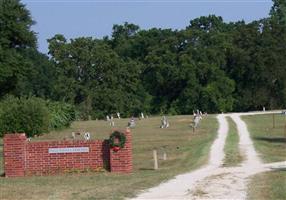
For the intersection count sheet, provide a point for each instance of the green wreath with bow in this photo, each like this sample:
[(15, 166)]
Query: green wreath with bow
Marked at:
[(121, 138)]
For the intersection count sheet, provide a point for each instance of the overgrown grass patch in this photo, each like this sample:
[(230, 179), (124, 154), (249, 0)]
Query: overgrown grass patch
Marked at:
[(185, 151), (231, 148)]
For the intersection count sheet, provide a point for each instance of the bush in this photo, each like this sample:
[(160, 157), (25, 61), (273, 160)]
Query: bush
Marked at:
[(33, 116), (61, 114), (28, 115)]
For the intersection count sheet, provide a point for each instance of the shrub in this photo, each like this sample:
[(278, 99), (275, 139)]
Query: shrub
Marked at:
[(61, 114), (29, 115)]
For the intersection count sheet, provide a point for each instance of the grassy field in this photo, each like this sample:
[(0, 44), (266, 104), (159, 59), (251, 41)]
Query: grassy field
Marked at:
[(231, 148), (268, 185), (185, 151), (271, 145), (268, 141)]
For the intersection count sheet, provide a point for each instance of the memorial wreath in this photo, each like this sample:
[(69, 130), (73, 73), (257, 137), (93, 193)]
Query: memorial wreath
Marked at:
[(117, 140)]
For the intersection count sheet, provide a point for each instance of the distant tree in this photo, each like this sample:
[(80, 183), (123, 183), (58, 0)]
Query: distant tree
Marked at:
[(15, 25), (122, 38), (278, 11), (38, 76), (90, 74), (124, 31), (210, 65)]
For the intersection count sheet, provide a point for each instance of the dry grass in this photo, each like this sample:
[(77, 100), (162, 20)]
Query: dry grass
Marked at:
[(185, 151)]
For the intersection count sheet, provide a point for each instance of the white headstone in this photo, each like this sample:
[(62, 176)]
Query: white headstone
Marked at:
[(86, 136), (164, 122), (131, 123), (111, 123), (196, 121)]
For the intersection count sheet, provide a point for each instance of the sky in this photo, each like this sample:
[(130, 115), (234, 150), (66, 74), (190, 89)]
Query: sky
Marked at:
[(95, 18)]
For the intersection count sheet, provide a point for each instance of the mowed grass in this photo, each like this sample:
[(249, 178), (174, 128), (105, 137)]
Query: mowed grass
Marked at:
[(231, 148), (268, 141), (271, 145), (185, 151), (268, 185)]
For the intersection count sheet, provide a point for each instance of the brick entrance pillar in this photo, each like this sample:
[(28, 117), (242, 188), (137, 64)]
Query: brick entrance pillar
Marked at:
[(121, 161), (14, 154)]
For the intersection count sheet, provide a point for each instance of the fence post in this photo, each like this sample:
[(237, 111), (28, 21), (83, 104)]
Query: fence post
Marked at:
[(155, 159), (164, 156)]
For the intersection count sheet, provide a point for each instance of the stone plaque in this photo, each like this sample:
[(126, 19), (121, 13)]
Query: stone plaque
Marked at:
[(69, 150)]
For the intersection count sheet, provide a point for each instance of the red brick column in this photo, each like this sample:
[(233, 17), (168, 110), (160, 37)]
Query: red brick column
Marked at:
[(14, 154), (121, 161)]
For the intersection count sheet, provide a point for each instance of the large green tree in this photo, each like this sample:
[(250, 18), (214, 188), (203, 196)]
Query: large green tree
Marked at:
[(278, 11), (210, 65), (90, 74), (23, 70)]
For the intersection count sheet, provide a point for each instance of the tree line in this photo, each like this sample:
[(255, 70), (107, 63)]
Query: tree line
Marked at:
[(210, 65)]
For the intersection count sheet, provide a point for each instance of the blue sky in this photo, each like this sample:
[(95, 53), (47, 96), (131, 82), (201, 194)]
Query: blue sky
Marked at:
[(76, 18)]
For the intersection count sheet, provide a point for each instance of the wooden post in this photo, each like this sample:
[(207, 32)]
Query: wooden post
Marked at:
[(285, 130), (285, 126), (164, 156), (155, 159)]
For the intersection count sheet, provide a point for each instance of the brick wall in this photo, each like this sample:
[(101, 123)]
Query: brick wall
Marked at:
[(14, 154), (22, 157), (121, 161)]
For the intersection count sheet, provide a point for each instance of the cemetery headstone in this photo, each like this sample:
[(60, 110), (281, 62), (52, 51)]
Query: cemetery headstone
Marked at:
[(111, 122), (131, 123), (86, 136), (164, 122), (196, 121)]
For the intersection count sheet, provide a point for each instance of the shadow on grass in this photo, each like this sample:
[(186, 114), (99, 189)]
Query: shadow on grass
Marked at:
[(279, 170), (272, 139), (146, 169)]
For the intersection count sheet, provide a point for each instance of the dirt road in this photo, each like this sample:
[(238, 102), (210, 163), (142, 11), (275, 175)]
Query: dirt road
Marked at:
[(213, 181)]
